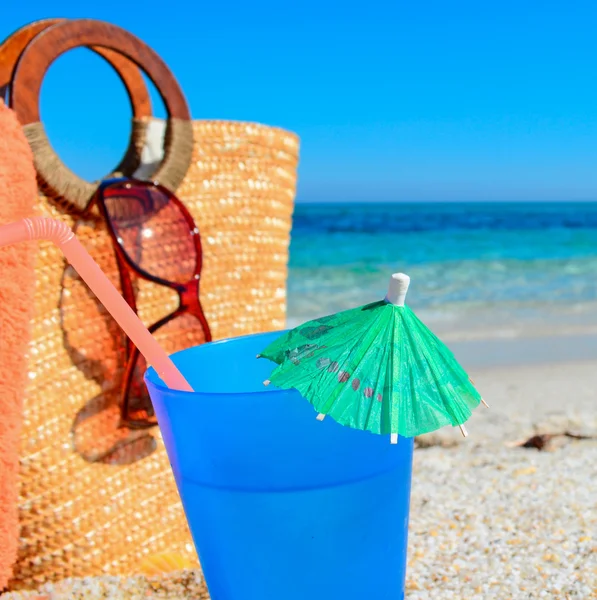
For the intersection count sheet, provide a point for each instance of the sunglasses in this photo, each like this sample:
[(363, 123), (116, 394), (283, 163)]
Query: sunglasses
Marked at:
[(155, 238)]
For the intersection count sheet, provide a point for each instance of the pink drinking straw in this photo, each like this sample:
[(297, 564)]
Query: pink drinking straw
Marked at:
[(43, 228)]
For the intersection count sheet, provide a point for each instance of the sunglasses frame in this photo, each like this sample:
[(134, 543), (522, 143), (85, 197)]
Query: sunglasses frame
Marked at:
[(188, 293)]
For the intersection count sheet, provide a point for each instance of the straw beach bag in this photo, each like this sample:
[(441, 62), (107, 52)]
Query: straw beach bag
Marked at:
[(95, 498)]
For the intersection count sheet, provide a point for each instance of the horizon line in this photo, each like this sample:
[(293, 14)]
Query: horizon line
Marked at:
[(439, 201)]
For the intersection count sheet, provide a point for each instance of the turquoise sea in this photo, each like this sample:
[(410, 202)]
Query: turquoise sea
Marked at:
[(476, 269)]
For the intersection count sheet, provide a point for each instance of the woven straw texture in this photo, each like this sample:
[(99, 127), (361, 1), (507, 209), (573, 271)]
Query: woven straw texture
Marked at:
[(240, 189), (94, 498)]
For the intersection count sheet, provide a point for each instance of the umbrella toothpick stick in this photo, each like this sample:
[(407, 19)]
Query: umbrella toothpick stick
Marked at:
[(397, 289), (484, 403), (463, 430), (320, 417)]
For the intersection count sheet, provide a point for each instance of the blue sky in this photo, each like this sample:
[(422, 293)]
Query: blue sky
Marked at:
[(419, 100)]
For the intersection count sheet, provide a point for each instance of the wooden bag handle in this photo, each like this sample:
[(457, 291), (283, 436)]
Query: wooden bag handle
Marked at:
[(31, 68), (129, 74)]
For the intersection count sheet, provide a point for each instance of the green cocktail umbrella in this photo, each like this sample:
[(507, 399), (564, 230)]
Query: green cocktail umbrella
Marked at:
[(377, 368)]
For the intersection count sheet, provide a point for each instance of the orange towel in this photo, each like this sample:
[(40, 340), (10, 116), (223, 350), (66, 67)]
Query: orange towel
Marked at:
[(18, 190)]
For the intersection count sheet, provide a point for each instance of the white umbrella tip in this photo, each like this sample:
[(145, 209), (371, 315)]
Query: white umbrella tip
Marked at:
[(402, 278), (397, 289)]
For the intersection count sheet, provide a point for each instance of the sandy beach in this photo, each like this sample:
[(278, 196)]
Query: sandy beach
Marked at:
[(490, 518)]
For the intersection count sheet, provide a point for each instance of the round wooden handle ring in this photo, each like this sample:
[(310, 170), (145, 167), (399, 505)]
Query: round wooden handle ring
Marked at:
[(31, 68), (12, 48)]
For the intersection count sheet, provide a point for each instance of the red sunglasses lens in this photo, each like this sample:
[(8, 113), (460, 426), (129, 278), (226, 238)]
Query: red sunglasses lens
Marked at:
[(153, 230)]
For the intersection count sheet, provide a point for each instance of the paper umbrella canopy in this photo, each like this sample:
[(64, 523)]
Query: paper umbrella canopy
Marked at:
[(376, 368)]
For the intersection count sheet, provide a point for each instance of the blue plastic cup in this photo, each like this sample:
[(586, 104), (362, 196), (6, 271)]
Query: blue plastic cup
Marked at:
[(281, 506)]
